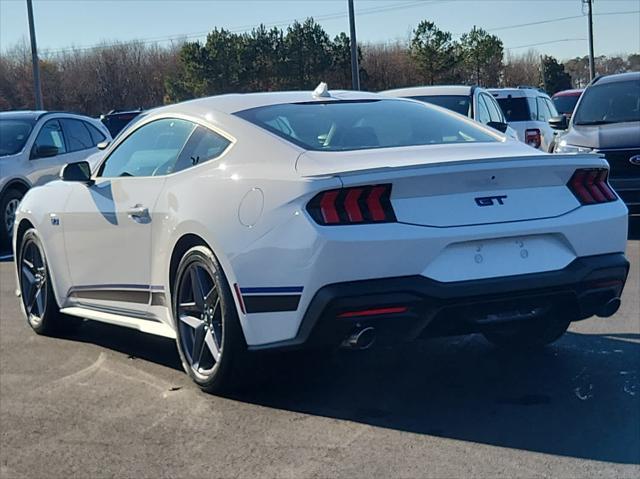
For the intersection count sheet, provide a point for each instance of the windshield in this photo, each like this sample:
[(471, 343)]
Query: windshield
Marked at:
[(609, 103), (13, 135), (518, 109), (457, 103), (565, 104), (360, 125)]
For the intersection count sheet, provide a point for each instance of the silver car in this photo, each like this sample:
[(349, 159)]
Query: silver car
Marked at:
[(34, 145)]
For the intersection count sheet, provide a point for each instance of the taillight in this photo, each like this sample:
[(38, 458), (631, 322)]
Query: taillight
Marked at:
[(358, 205), (590, 186), (532, 137)]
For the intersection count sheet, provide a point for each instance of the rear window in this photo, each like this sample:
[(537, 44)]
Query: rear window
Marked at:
[(518, 109), (359, 125), (458, 103), (565, 104)]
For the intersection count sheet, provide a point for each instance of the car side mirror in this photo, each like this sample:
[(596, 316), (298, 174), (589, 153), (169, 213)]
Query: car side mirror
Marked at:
[(498, 125), (78, 172), (103, 145), (45, 151), (559, 122)]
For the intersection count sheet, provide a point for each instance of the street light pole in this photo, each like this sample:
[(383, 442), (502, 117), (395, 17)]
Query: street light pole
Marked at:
[(37, 88), (355, 69), (592, 63)]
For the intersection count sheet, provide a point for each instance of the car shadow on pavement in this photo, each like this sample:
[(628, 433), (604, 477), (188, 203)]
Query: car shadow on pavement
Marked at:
[(579, 398)]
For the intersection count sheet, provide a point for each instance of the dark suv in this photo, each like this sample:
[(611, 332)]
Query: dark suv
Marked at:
[(607, 121), (116, 120)]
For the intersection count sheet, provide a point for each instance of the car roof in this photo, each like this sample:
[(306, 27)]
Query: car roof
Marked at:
[(629, 76), (520, 92), (457, 90), (574, 92), (235, 102), (31, 115)]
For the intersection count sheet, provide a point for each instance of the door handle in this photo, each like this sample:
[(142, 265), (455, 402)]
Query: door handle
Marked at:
[(138, 212)]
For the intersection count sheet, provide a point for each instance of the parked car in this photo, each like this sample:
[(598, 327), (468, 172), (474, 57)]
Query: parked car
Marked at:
[(528, 111), (269, 221), (607, 121), (34, 145), (565, 101), (116, 120), (471, 101)]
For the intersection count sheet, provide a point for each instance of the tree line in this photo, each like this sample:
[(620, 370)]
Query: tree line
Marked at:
[(136, 74)]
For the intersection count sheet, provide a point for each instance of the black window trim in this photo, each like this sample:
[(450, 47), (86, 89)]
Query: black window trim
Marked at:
[(35, 139), (147, 121)]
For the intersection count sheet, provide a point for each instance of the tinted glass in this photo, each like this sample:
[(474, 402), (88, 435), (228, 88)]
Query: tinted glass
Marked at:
[(203, 145), (543, 110), (96, 135), (551, 107), (609, 103), (482, 115), (459, 104), (13, 135), (516, 109), (51, 135), (151, 150), (359, 125), (494, 110), (565, 104), (77, 136)]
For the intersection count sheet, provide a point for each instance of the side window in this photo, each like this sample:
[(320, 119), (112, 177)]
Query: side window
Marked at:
[(204, 145), (483, 112), (96, 135), (533, 108), (495, 113), (151, 150), (543, 110), (51, 135), (77, 136), (552, 107)]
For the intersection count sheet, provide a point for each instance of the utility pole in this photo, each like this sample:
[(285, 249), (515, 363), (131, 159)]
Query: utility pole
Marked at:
[(355, 69), (37, 88), (592, 62)]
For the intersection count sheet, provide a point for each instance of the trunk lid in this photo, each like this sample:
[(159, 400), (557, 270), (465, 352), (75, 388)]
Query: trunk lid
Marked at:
[(453, 186)]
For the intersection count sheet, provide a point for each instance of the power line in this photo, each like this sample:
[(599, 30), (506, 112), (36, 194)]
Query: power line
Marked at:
[(552, 20), (244, 28), (547, 43)]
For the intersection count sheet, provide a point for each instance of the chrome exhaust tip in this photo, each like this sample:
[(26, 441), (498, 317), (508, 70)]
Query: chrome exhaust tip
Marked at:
[(360, 339), (609, 308)]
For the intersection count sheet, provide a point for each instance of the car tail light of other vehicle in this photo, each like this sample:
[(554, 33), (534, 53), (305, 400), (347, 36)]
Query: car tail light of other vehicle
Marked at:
[(532, 137), (590, 186), (358, 205)]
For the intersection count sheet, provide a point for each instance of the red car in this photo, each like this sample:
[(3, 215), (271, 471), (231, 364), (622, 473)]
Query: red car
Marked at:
[(565, 101)]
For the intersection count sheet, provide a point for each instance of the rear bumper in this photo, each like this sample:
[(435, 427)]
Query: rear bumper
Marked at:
[(628, 189), (428, 307)]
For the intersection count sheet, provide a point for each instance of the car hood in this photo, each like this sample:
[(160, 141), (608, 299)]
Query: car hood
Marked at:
[(615, 135)]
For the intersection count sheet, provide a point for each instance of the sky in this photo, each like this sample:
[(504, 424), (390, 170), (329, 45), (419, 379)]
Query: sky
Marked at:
[(61, 24)]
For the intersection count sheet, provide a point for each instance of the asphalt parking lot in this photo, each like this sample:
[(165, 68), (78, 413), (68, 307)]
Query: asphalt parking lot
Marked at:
[(111, 402)]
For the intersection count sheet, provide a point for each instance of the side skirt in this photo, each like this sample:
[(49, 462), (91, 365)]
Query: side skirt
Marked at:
[(144, 325)]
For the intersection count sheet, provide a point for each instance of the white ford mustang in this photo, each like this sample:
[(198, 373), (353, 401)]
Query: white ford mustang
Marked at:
[(264, 221)]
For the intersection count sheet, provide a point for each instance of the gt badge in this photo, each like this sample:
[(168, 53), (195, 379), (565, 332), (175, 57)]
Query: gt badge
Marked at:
[(490, 200), (55, 221)]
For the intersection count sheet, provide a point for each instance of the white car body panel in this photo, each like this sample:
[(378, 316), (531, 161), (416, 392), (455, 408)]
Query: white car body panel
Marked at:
[(249, 206)]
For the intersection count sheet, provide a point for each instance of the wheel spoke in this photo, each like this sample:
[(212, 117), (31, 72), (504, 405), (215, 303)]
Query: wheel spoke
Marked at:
[(198, 347), (31, 301), (212, 345), (191, 321), (197, 288), (40, 302), (28, 274)]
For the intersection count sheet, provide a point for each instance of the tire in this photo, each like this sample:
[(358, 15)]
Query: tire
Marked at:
[(8, 207), (209, 336), (37, 299), (530, 334)]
